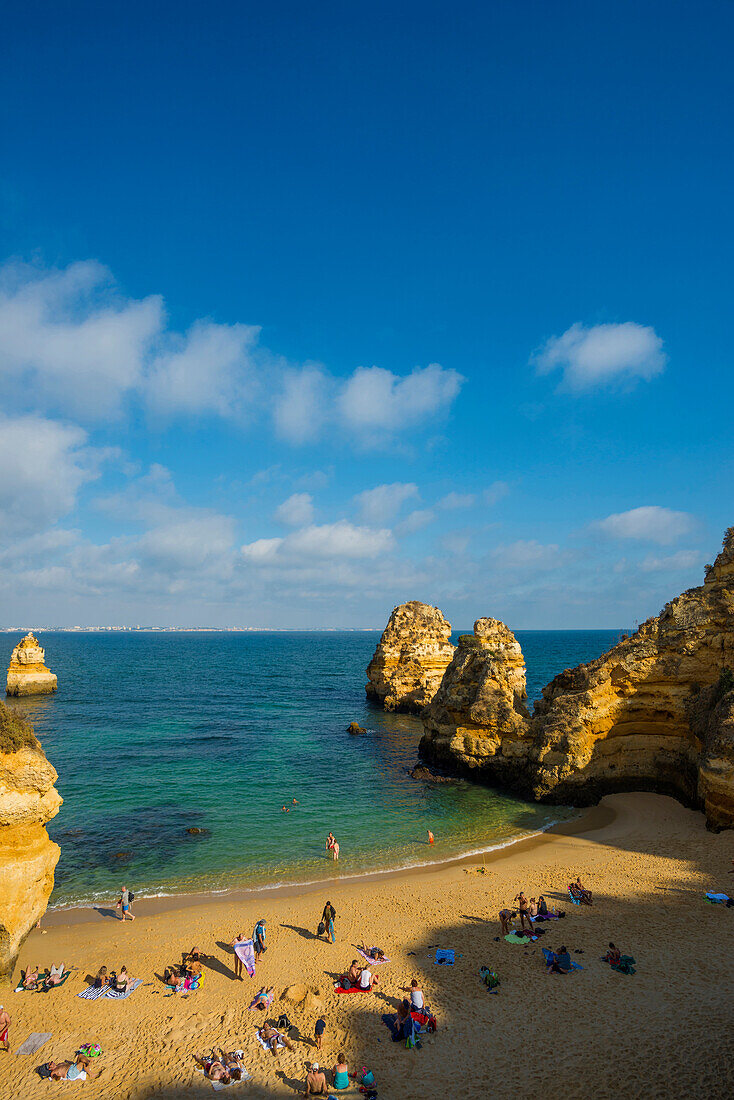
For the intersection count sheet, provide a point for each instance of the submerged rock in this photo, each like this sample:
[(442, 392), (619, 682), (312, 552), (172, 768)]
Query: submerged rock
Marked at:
[(410, 658), (27, 673), (431, 775), (656, 712), (354, 727), (28, 800)]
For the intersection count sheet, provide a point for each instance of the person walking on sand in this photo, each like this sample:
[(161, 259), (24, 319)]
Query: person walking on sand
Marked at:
[(330, 926), (5, 1023), (326, 917), (319, 1032), (124, 904)]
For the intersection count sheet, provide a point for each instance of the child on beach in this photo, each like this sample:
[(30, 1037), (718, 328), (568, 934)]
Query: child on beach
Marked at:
[(319, 1032)]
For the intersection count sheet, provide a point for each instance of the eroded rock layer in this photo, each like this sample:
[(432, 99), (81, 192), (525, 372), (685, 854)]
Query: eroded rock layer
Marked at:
[(27, 672), (654, 713), (28, 800), (410, 658)]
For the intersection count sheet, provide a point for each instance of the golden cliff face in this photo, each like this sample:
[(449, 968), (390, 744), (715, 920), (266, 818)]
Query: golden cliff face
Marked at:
[(28, 800), (27, 673), (410, 658), (654, 713)]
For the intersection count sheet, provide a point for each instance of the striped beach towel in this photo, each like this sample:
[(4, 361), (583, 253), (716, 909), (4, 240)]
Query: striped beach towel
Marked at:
[(120, 995), (92, 994)]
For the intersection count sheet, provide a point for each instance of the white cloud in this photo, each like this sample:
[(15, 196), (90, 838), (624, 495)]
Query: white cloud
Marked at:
[(68, 341), (382, 504), (296, 511), (415, 521), (302, 404), (326, 541), (526, 553), (601, 354), (44, 464), (453, 501), (496, 491), (186, 542), (649, 523), (374, 398), (209, 370), (682, 559)]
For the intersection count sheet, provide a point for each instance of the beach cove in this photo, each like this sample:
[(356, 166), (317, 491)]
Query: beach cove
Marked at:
[(666, 1028)]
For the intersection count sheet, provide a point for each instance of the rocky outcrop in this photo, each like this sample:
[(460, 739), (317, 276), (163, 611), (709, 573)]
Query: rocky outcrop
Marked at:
[(411, 657), (27, 672), (654, 713), (28, 800)]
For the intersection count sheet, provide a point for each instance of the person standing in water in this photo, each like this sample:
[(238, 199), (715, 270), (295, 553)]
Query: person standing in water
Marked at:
[(430, 837), (330, 842), (335, 850)]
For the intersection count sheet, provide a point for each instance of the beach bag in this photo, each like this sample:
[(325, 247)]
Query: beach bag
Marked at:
[(368, 1077), (90, 1050), (131, 897), (321, 928), (284, 1023), (43, 1071)]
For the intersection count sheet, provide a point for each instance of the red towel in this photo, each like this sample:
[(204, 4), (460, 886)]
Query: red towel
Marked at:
[(352, 989)]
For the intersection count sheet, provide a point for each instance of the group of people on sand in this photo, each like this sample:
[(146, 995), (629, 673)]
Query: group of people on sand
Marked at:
[(580, 893), (358, 977), (528, 911), (316, 1083), (118, 981), (33, 979), (189, 970)]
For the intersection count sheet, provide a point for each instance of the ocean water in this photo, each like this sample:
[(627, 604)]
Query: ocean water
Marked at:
[(154, 734)]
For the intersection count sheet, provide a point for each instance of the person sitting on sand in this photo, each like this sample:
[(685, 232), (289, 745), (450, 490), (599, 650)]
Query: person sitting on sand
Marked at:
[(194, 955), (366, 981), (264, 998), (560, 962), (101, 979), (352, 975), (583, 893), (120, 981), (533, 908), (341, 1073), (613, 956), (30, 978), (214, 1067), (172, 978), (70, 1071), (270, 1037), (542, 907), (506, 916), (417, 1000), (315, 1081)]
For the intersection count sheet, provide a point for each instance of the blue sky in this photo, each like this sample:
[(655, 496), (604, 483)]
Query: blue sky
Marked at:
[(309, 310)]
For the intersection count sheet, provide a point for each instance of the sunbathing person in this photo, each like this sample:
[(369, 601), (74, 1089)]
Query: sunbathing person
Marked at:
[(54, 977), (264, 998), (270, 1036), (375, 953), (70, 1071), (214, 1068), (170, 977), (30, 978), (194, 955), (233, 1064), (101, 978), (506, 916), (583, 893)]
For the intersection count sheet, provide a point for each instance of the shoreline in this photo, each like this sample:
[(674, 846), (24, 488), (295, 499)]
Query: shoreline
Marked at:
[(588, 820)]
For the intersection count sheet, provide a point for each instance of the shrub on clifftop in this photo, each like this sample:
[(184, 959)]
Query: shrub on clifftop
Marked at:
[(15, 732)]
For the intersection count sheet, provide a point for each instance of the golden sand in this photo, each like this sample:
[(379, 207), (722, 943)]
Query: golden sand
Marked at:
[(666, 1031)]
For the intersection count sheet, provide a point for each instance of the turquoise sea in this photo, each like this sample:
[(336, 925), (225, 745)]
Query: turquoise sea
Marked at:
[(156, 733)]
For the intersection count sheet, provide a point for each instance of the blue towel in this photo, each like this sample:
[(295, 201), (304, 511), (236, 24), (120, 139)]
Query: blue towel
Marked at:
[(576, 901), (550, 956), (445, 956)]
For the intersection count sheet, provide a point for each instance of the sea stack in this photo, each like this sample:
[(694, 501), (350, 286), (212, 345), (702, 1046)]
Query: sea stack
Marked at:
[(655, 713), (27, 672), (28, 800), (411, 657)]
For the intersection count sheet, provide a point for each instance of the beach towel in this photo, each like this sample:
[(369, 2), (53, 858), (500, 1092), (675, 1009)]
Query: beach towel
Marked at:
[(265, 1046), (369, 959), (515, 937), (218, 1085), (546, 916), (444, 956), (39, 987), (339, 988), (575, 900), (34, 1042), (268, 1002), (717, 899), (245, 952), (120, 996), (92, 994)]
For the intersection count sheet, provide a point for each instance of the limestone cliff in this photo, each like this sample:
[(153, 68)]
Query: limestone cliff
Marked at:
[(654, 713), (27, 673), (28, 800), (410, 658)]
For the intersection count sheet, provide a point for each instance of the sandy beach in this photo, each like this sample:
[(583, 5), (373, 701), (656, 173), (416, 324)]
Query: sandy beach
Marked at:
[(666, 1030)]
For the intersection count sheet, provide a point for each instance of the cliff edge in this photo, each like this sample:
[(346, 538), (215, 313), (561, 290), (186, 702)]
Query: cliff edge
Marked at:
[(410, 657), (28, 800), (656, 712), (27, 672)]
